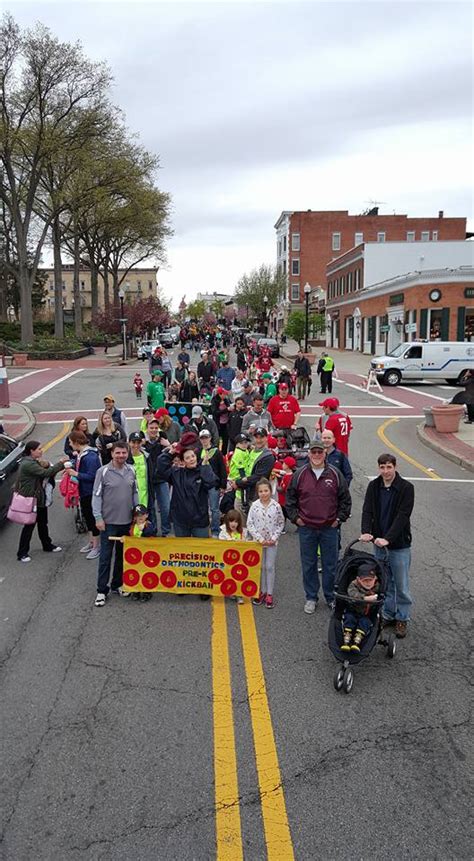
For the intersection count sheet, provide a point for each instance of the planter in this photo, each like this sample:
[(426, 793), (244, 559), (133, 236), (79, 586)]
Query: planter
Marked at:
[(429, 420), (447, 417), (20, 359)]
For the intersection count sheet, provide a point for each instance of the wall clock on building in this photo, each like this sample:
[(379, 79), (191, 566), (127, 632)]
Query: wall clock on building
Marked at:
[(435, 295)]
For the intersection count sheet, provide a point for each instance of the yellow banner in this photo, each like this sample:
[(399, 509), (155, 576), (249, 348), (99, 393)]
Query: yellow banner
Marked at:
[(192, 566)]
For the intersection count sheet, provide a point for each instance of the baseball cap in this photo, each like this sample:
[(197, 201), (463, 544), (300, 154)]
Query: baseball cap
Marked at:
[(160, 413), (332, 403), (290, 461), (282, 385), (366, 570), (316, 445), (135, 437), (246, 383), (109, 398), (221, 391), (156, 372), (266, 376), (140, 510), (242, 437), (261, 432), (205, 432), (196, 411)]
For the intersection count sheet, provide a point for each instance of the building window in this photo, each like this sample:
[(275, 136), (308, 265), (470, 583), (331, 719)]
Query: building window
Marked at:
[(336, 242), (349, 282), (64, 286), (295, 267), (295, 242), (284, 245), (343, 285), (410, 235), (425, 235), (279, 248), (358, 238), (83, 285), (434, 236), (51, 287), (150, 285), (381, 236), (295, 292), (284, 267), (357, 280)]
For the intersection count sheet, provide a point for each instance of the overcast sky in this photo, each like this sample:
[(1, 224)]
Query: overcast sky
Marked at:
[(259, 107)]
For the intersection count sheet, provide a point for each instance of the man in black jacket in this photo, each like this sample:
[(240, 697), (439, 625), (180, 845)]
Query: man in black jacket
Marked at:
[(303, 375), (388, 505)]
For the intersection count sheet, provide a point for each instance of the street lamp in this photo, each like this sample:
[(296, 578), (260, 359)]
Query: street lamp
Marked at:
[(307, 291), (265, 304), (123, 321)]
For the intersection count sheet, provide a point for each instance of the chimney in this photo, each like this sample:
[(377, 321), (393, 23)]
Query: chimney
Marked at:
[(441, 213)]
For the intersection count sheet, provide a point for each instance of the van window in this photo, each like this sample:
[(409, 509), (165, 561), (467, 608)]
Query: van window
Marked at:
[(413, 353)]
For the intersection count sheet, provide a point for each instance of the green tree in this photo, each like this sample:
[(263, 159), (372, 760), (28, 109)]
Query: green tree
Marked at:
[(295, 326), (252, 288), (196, 310)]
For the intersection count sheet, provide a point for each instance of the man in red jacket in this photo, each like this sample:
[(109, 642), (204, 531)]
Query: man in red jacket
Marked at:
[(284, 409), (337, 422)]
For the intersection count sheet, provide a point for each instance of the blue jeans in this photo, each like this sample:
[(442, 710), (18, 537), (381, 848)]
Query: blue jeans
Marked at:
[(182, 531), (105, 558), (353, 621), (214, 500), (327, 539), (161, 493), (397, 599)]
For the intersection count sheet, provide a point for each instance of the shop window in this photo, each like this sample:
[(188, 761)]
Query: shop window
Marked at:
[(469, 326), (435, 325)]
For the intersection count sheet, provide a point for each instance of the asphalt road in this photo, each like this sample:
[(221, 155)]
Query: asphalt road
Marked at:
[(113, 723)]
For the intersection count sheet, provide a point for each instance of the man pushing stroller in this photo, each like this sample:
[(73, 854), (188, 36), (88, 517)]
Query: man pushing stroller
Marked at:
[(356, 623)]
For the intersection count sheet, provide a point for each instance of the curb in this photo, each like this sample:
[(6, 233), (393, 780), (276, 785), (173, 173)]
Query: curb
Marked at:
[(450, 455), (31, 421)]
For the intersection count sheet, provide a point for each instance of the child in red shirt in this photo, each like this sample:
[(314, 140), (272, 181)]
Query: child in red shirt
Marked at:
[(138, 384)]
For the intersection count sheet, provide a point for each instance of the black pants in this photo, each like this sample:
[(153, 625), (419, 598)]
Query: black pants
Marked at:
[(224, 436), (27, 532), (86, 509), (326, 381)]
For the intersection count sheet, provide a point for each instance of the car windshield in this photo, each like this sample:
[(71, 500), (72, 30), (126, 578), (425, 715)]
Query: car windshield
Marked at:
[(397, 351)]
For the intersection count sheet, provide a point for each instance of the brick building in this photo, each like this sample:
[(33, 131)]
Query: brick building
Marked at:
[(307, 241), (136, 283), (379, 295)]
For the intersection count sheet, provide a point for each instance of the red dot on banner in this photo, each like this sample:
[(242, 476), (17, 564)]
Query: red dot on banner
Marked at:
[(168, 579), (150, 580), (231, 556), (229, 587), (130, 577), (239, 572), (133, 556), (251, 558), (249, 588), (151, 559), (216, 576)]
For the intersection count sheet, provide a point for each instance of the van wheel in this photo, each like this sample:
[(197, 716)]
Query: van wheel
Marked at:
[(391, 378), (461, 375), (453, 382)]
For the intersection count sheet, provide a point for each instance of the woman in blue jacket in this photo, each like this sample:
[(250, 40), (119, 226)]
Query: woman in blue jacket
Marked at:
[(87, 464), (191, 482)]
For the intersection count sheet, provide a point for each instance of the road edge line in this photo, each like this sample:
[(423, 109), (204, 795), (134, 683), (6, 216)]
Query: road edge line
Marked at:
[(404, 455)]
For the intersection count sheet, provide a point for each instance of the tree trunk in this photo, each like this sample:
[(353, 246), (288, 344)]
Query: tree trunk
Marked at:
[(115, 286), (26, 306), (106, 287), (77, 287), (58, 281), (94, 287)]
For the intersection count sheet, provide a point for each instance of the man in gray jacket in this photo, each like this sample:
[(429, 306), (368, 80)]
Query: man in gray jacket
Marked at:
[(257, 416), (114, 496)]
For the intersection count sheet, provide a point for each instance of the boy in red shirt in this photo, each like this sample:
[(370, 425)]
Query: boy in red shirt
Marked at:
[(138, 384), (284, 409), (337, 422)]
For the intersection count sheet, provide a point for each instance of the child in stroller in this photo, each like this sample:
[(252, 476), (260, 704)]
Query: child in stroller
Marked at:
[(356, 623)]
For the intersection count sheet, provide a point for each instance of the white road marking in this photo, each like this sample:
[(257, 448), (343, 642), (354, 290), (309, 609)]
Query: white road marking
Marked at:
[(416, 478), (376, 395), (51, 386), (29, 374), (425, 394), (303, 415)]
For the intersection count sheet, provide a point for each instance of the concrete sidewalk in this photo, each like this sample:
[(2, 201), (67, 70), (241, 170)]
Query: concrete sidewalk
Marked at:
[(18, 421), (458, 447)]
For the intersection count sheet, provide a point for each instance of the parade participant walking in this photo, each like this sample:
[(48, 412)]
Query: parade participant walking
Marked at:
[(167, 369), (190, 389), (236, 417), (303, 374), (240, 359), (80, 423), (257, 416), (117, 415), (249, 393), (155, 445), (114, 497), (318, 501), (138, 384), (205, 371), (220, 405), (265, 524), (334, 456), (180, 374), (168, 427), (107, 433), (34, 473), (284, 409), (184, 358), (156, 360), (199, 421), (386, 513), (261, 461), (237, 386), (225, 376), (155, 390), (325, 370), (191, 482), (139, 460), (213, 457), (270, 388), (337, 422), (87, 464)]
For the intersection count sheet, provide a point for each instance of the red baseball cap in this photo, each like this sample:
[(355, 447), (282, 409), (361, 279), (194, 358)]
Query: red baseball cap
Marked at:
[(332, 403), (290, 461), (161, 412)]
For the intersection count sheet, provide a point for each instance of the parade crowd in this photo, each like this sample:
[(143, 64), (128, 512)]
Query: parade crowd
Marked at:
[(238, 465)]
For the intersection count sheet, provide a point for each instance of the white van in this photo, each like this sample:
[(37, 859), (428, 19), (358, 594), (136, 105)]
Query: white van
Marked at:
[(440, 361)]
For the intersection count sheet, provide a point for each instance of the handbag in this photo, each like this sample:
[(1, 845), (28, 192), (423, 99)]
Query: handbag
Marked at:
[(23, 509)]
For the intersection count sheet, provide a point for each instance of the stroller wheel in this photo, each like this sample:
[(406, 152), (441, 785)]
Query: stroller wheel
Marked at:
[(348, 680), (338, 678), (391, 646)]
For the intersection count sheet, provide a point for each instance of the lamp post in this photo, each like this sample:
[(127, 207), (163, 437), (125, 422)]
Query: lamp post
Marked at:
[(265, 305), (123, 322), (307, 291)]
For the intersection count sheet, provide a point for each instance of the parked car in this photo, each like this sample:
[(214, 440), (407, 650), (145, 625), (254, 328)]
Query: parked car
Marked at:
[(254, 336), (440, 361), (167, 340), (272, 344), (145, 349), (11, 452)]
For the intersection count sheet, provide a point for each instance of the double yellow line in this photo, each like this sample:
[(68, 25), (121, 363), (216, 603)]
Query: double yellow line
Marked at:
[(228, 822)]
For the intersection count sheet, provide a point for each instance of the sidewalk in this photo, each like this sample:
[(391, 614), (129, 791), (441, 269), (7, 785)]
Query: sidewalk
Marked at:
[(345, 360), (18, 420), (458, 447)]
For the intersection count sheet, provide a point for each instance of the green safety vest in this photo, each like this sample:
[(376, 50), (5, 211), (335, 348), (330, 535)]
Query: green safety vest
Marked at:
[(328, 364)]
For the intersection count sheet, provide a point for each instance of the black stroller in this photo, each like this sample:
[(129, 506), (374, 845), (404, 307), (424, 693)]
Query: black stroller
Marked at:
[(347, 570), (293, 442)]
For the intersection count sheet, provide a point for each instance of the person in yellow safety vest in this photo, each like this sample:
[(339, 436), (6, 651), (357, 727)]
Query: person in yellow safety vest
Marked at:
[(325, 369)]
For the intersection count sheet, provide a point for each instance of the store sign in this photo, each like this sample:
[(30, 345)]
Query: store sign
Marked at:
[(397, 299), (469, 292), (410, 327), (384, 329)]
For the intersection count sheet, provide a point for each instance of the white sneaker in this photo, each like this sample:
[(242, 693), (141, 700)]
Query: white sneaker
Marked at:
[(25, 559), (57, 549), (310, 607), (94, 553), (86, 548), (100, 600)]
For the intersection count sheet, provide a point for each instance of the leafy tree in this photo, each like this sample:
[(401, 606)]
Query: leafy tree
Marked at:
[(196, 310), (252, 288), (295, 326)]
